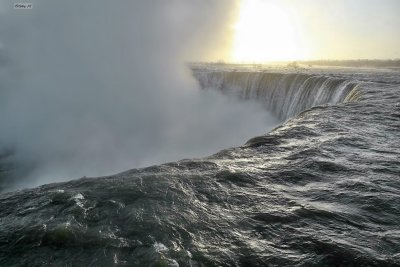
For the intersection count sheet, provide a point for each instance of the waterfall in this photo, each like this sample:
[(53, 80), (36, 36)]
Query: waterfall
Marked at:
[(285, 95)]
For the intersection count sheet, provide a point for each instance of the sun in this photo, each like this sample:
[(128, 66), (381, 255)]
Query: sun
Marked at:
[(264, 32)]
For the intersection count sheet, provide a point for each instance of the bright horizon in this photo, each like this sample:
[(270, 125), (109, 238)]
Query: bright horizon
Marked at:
[(287, 30)]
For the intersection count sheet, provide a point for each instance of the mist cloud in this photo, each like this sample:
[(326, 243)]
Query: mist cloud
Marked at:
[(96, 87)]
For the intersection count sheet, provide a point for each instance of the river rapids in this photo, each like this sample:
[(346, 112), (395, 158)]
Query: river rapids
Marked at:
[(321, 189)]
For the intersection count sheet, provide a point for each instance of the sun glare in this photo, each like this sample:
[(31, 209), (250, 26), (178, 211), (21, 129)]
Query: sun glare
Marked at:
[(264, 32)]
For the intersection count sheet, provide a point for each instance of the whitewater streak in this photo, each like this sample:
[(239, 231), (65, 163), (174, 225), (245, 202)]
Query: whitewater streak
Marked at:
[(283, 94)]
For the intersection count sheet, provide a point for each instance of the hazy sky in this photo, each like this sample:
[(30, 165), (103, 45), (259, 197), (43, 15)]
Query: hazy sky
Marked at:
[(317, 29), (265, 30), (350, 28)]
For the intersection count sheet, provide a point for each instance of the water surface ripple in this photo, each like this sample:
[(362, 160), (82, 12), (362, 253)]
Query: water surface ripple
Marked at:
[(323, 189)]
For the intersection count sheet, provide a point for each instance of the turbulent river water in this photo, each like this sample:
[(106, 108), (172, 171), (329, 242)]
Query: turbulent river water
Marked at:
[(322, 189)]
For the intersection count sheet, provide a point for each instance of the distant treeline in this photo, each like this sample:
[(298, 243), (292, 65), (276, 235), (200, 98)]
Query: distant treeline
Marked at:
[(373, 63), (354, 63)]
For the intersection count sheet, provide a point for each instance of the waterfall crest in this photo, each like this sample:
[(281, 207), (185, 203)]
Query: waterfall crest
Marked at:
[(285, 95)]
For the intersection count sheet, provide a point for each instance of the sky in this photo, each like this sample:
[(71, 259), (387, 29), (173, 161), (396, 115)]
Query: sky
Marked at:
[(273, 30), (281, 30), (350, 29)]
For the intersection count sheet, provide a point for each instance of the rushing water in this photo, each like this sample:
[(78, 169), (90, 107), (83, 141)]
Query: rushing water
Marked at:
[(322, 189)]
